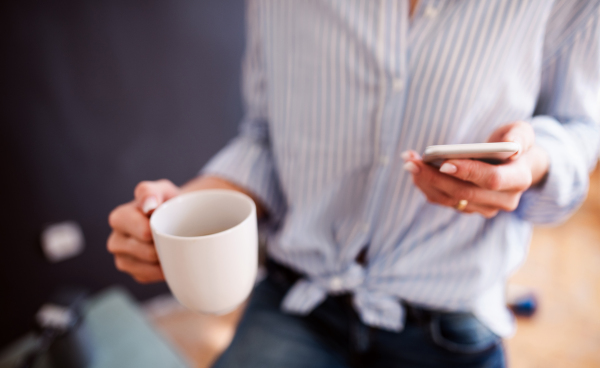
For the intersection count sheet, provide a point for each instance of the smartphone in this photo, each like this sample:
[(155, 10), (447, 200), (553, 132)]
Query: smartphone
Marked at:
[(493, 153)]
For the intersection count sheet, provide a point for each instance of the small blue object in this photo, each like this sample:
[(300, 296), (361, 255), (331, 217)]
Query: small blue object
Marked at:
[(524, 306)]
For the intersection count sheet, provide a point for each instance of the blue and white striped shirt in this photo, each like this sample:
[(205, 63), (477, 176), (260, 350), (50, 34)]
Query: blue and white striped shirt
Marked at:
[(335, 90)]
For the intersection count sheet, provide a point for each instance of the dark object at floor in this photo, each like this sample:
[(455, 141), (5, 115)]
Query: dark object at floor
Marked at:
[(120, 334), (524, 306)]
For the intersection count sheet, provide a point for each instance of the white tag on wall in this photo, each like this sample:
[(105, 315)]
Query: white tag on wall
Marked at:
[(62, 241)]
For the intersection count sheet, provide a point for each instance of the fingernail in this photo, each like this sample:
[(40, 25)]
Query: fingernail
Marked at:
[(411, 167), (150, 204), (448, 168), (408, 155)]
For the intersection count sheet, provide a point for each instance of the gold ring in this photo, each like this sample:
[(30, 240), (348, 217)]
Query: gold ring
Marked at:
[(461, 205)]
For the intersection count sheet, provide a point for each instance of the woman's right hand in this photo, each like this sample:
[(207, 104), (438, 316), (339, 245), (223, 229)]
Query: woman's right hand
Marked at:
[(131, 239)]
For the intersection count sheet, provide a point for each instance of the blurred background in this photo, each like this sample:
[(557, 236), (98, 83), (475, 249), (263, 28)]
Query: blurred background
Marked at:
[(97, 96)]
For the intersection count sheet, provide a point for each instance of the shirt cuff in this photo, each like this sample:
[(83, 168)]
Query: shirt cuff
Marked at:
[(566, 184), (249, 164)]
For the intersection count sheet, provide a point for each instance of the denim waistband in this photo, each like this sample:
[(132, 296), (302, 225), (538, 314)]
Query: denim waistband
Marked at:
[(286, 277)]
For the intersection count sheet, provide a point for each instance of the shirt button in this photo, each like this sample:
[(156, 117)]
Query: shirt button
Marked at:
[(384, 160), (398, 84), (335, 284), (431, 12)]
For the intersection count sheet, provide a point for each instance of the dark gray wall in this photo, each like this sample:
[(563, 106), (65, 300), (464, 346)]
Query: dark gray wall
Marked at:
[(95, 97)]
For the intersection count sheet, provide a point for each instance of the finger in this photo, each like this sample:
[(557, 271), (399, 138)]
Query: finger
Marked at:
[(485, 199), (436, 196), (456, 189), (129, 220), (433, 195), (485, 211), (125, 245), (150, 194), (142, 272), (410, 155), (511, 177), (519, 132)]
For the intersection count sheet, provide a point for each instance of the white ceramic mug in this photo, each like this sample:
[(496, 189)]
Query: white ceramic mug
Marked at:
[(207, 243)]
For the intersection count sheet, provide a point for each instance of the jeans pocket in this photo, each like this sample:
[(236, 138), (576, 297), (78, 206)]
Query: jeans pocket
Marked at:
[(462, 333)]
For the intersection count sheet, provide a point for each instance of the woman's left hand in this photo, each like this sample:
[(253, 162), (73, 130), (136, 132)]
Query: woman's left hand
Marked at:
[(477, 187)]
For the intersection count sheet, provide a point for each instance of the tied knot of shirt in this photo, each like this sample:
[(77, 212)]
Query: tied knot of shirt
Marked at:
[(375, 308)]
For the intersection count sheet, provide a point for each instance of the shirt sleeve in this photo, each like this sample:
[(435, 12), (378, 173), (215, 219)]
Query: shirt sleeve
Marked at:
[(567, 117), (247, 160)]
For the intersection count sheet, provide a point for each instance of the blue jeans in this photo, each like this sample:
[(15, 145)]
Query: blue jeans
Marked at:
[(333, 336)]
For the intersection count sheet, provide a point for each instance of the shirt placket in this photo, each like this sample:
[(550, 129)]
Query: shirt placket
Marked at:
[(391, 56)]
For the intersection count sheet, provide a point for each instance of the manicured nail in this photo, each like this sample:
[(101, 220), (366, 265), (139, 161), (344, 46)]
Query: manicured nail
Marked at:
[(407, 155), (150, 204), (448, 168), (411, 167)]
